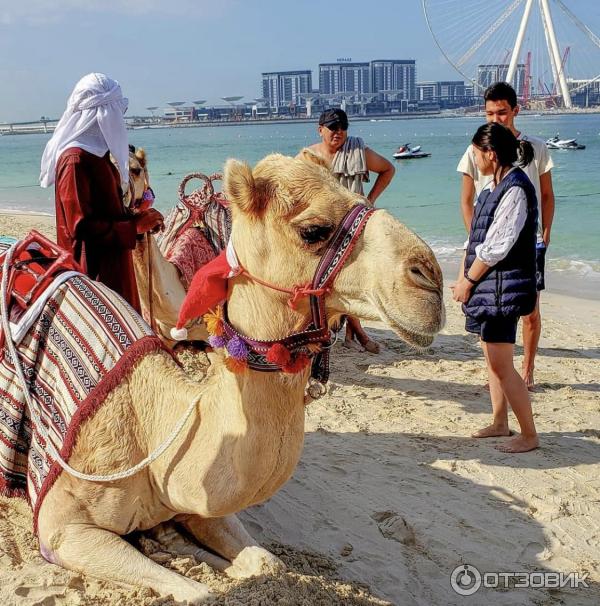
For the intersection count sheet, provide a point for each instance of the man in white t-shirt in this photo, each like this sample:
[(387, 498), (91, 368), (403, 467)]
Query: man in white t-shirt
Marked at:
[(501, 106)]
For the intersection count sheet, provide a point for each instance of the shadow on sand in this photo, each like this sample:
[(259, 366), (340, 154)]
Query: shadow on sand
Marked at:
[(407, 508)]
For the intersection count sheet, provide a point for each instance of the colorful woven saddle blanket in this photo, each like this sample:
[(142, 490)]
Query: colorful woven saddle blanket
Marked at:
[(197, 229), (81, 346)]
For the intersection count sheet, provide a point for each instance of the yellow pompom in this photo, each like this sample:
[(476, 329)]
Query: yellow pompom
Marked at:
[(214, 322)]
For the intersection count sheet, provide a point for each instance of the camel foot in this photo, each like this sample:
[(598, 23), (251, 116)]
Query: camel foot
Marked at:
[(174, 542), (254, 561), (192, 593), (519, 444), (492, 431)]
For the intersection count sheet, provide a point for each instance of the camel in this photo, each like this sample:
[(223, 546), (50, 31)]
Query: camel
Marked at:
[(245, 436), (139, 180), (160, 285)]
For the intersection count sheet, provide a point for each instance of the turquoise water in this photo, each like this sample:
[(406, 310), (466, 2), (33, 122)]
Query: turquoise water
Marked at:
[(424, 193)]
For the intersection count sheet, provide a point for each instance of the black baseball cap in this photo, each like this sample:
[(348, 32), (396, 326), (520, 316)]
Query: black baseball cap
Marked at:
[(331, 117)]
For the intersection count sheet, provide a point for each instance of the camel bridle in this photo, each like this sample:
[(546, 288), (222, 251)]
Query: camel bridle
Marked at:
[(315, 339)]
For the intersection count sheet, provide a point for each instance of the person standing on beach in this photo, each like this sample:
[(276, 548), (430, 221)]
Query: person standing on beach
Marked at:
[(92, 222), (351, 161), (498, 282), (501, 107)]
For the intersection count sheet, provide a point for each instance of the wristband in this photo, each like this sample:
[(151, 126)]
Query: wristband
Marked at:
[(473, 282)]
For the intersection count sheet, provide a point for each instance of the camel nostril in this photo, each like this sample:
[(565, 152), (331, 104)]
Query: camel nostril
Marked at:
[(423, 276)]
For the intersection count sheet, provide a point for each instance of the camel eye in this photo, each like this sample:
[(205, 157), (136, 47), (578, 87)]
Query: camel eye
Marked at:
[(135, 171), (316, 233)]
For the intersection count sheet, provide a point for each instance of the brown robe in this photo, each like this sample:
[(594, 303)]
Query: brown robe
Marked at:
[(92, 222)]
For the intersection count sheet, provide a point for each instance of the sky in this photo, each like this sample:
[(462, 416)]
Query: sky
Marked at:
[(184, 50)]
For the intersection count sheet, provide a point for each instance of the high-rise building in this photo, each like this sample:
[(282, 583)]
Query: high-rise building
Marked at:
[(283, 89), (344, 77), (427, 91), (497, 72), (445, 93), (394, 79)]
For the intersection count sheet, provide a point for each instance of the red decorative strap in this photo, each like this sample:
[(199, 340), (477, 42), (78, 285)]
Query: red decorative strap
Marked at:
[(297, 292)]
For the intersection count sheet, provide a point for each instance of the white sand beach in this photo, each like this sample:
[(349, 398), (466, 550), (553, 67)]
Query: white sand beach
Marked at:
[(391, 493)]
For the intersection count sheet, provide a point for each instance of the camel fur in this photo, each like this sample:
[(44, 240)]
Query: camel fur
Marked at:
[(245, 438)]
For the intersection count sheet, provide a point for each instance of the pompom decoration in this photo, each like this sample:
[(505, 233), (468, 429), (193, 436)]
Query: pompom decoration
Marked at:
[(237, 348), (299, 363), (236, 366), (179, 334), (217, 342), (214, 321), (278, 354)]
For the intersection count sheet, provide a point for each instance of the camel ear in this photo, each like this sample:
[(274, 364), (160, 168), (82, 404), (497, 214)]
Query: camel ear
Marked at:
[(242, 189), (307, 155), (140, 154)]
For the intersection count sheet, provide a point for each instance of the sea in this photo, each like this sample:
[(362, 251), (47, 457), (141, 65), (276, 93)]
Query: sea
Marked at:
[(424, 193)]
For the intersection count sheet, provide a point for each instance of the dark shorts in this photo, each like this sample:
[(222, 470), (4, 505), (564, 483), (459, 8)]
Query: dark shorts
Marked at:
[(540, 266), (494, 330)]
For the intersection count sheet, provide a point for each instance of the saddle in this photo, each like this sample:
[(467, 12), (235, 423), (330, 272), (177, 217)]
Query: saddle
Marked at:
[(35, 262), (197, 229)]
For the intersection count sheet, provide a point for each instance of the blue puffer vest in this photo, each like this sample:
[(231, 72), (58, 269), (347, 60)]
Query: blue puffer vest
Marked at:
[(508, 289)]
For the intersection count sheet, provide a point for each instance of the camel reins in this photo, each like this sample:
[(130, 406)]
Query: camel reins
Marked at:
[(314, 340)]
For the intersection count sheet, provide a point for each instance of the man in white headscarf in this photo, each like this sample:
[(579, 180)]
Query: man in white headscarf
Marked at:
[(91, 220)]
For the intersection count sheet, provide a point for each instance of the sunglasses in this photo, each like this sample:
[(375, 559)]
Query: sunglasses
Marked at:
[(334, 128)]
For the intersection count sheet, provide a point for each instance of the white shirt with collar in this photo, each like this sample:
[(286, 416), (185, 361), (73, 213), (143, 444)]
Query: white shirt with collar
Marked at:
[(509, 219)]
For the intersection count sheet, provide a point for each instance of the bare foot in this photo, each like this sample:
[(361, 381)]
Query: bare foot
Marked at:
[(528, 378), (351, 344), (371, 346), (519, 444), (492, 431)]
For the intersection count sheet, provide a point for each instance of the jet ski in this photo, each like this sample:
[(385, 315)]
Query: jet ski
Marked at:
[(406, 152), (557, 143)]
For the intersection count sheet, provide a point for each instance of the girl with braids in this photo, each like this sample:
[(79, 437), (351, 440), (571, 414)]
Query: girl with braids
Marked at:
[(498, 283)]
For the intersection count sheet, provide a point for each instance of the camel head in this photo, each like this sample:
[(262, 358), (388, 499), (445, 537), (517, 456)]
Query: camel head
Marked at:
[(138, 175), (285, 211)]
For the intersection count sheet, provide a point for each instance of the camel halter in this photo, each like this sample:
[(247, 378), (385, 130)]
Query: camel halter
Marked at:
[(314, 341)]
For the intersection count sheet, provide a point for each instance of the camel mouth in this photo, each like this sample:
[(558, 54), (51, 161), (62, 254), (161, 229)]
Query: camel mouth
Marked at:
[(415, 339), (408, 333)]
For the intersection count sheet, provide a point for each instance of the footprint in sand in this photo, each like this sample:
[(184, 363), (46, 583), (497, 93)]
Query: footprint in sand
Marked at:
[(394, 527)]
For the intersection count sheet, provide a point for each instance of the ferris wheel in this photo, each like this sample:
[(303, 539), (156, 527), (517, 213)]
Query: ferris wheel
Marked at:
[(540, 46)]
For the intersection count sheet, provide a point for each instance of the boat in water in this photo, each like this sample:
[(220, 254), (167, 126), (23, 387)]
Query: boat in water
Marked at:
[(557, 143), (406, 152)]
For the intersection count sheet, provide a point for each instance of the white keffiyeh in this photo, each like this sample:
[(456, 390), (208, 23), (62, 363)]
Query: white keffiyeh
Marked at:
[(92, 121)]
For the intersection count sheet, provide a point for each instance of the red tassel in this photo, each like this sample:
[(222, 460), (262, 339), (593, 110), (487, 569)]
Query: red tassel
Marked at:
[(278, 354), (300, 363)]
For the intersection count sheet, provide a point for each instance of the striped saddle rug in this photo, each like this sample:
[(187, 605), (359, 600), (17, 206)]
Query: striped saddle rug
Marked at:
[(79, 348)]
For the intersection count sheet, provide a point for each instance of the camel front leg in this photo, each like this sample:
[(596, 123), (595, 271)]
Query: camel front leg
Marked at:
[(228, 537), (105, 555)]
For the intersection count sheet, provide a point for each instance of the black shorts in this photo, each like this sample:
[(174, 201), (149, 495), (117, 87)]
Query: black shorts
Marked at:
[(540, 266), (494, 330)]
